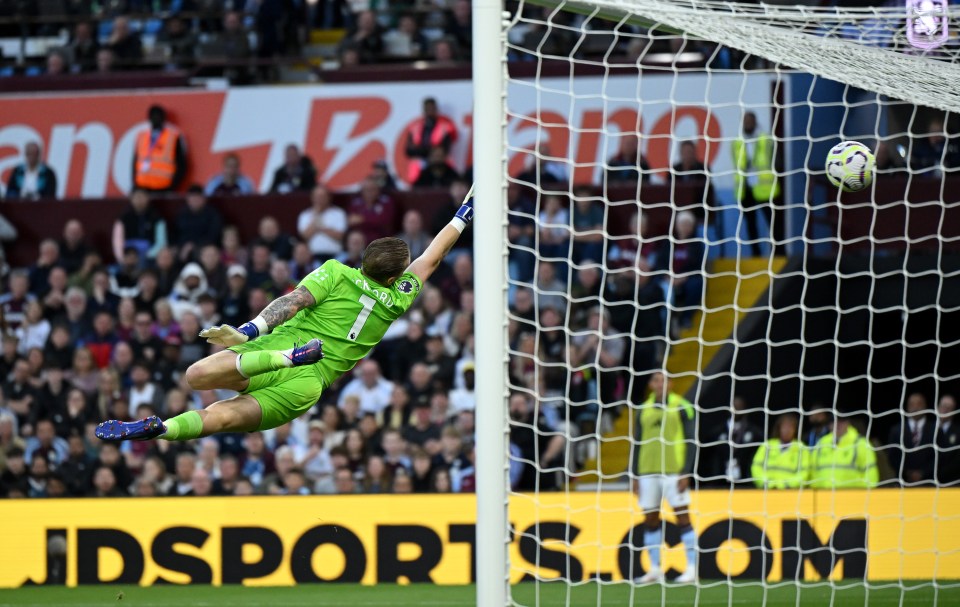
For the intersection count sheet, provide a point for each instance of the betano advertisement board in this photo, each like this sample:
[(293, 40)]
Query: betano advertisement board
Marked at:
[(89, 139), (279, 540)]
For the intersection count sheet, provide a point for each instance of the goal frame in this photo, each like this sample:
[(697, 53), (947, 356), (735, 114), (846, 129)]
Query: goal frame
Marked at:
[(490, 276)]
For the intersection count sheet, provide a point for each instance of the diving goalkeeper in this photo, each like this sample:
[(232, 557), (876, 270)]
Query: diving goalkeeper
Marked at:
[(281, 361)]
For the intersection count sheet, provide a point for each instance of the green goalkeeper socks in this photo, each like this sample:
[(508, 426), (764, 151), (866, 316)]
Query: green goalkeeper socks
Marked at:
[(185, 426), (255, 363)]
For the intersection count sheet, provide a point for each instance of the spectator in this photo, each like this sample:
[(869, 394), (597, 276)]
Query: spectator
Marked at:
[(348, 54), (936, 151), (232, 44), (843, 459), (230, 182), (59, 349), (8, 233), (372, 212), (46, 444), (228, 477), (302, 263), (531, 440), (213, 269), (421, 430), (83, 47), (344, 482), (277, 241), (459, 26), (544, 167), (689, 170), (296, 175), (141, 227), (258, 272), (33, 178), (406, 41), (105, 484), (465, 399), (198, 224), (683, 264), (422, 470), (755, 182), (437, 173), (84, 373), (554, 228), (13, 478), (142, 390), (521, 231), (73, 246), (186, 294), (14, 303), (588, 225), (57, 63), (77, 468), (599, 343), (380, 173), (369, 386), (947, 442), (106, 61), (111, 458), (323, 225), (178, 43), (186, 465), (417, 240), (429, 131), (126, 45), (49, 257), (280, 283), (445, 50), (457, 193), (629, 165), (551, 292), (34, 330), (366, 38), (889, 157), (913, 455), (737, 443), (231, 249), (160, 159)]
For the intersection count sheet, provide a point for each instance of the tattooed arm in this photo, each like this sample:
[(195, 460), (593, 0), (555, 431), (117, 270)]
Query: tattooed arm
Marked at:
[(279, 311), (282, 309)]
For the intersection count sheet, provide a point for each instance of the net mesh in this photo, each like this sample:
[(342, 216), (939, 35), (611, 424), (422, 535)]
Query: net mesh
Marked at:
[(691, 301)]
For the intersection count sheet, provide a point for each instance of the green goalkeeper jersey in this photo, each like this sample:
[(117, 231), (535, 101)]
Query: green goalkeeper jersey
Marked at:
[(351, 315)]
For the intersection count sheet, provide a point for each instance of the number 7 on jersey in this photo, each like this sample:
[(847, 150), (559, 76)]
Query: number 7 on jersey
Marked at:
[(367, 302)]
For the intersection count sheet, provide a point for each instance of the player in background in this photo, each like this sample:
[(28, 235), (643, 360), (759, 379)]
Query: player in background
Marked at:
[(662, 469), (282, 360)]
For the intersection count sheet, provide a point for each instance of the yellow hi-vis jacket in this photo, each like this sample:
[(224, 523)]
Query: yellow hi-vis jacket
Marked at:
[(849, 463), (776, 467), (766, 187)]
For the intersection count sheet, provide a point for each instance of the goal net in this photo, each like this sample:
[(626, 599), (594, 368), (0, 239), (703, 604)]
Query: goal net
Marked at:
[(727, 381)]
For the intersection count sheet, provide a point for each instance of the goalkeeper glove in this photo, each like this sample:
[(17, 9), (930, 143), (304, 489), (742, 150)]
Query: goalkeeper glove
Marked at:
[(226, 335)]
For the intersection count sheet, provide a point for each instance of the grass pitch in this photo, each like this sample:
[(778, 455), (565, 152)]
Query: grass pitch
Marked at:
[(526, 595)]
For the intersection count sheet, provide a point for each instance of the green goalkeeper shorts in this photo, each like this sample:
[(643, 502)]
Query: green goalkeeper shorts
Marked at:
[(286, 394)]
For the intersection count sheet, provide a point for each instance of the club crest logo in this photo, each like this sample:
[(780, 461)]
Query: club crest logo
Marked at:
[(405, 286)]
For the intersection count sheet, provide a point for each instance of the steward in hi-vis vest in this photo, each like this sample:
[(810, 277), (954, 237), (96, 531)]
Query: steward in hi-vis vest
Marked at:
[(783, 462), (159, 162)]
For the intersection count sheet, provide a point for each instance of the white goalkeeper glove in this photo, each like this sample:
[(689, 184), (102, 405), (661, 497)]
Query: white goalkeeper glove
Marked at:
[(226, 335)]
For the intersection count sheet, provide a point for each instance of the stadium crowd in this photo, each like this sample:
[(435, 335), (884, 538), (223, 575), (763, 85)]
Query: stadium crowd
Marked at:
[(243, 40)]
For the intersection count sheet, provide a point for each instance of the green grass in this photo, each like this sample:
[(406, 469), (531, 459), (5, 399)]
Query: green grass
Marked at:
[(540, 595)]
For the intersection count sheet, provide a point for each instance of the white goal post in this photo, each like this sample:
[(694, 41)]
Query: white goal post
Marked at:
[(630, 221)]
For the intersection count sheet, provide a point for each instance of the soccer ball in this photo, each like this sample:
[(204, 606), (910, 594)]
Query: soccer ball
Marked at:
[(850, 166)]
